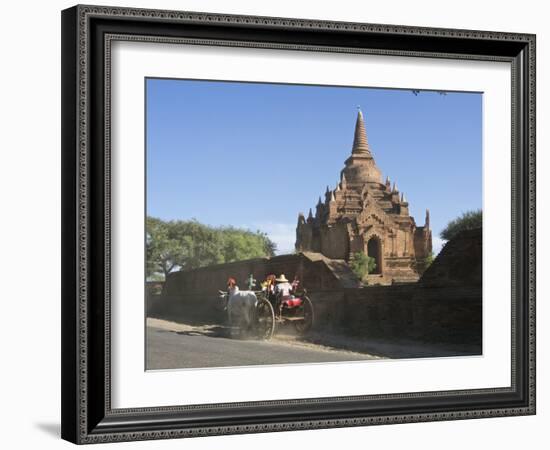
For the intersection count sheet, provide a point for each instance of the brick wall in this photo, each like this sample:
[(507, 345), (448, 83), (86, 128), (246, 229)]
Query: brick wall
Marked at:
[(441, 314), (194, 293), (429, 314)]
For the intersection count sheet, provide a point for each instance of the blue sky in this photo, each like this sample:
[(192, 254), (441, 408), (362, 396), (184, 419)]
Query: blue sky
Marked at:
[(254, 155)]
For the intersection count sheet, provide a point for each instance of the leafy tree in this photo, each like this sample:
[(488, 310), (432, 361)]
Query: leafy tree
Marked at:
[(362, 264), (164, 253), (467, 221), (179, 244)]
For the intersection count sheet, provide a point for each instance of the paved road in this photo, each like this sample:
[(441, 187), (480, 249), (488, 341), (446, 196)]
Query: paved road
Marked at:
[(173, 346)]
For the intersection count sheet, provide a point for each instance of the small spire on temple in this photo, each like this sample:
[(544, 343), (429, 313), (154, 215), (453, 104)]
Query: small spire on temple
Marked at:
[(310, 215), (319, 208), (343, 182), (394, 189), (403, 198), (337, 187), (327, 191), (427, 220), (332, 196)]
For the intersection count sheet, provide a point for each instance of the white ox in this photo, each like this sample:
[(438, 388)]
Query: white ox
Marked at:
[(241, 308)]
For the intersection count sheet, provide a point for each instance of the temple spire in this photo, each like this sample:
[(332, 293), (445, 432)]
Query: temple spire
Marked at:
[(343, 182), (360, 144), (427, 220)]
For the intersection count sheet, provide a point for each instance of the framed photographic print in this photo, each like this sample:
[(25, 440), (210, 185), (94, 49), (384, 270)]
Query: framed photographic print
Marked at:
[(279, 224)]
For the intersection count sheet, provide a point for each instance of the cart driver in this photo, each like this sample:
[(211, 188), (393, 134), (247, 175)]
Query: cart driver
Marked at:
[(283, 288)]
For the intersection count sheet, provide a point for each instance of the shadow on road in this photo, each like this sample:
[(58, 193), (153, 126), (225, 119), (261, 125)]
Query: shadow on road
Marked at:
[(380, 347), (187, 319), (393, 349), (214, 331), (202, 329)]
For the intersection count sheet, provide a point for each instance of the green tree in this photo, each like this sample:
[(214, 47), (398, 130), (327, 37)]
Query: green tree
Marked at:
[(362, 264), (189, 244), (164, 253), (467, 221)]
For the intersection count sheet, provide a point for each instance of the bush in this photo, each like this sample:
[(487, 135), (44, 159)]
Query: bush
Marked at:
[(467, 221), (362, 264)]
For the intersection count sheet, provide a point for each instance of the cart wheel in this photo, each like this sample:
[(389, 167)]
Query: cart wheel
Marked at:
[(303, 326), (266, 319)]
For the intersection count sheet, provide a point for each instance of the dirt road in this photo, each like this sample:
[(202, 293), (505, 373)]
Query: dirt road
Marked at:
[(174, 345)]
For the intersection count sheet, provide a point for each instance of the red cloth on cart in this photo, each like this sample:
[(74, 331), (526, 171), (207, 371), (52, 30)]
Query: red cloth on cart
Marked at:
[(292, 302)]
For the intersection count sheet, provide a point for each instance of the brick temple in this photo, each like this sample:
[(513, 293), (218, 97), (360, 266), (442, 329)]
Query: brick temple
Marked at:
[(365, 214)]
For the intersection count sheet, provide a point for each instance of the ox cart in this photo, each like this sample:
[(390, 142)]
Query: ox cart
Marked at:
[(271, 312), (274, 312)]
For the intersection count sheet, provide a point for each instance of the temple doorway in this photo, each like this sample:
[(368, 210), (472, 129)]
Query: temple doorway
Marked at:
[(374, 251)]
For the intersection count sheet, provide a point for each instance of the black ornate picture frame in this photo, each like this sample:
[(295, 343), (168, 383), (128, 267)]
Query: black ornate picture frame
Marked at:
[(87, 34)]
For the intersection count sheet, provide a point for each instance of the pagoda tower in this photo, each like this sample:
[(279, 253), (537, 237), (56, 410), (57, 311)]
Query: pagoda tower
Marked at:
[(364, 214)]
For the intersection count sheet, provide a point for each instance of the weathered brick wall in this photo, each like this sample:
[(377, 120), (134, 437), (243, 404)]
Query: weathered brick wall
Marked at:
[(458, 263), (335, 241), (194, 293), (442, 314), (208, 280)]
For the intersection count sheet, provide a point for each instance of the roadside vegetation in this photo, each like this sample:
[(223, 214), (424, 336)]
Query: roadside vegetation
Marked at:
[(467, 221), (188, 244)]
